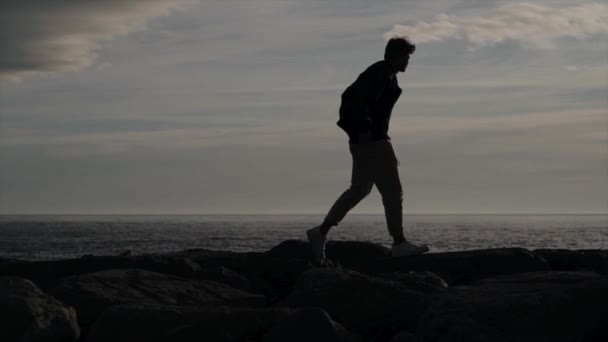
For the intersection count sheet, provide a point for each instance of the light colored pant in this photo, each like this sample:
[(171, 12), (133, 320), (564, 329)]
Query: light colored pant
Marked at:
[(374, 162)]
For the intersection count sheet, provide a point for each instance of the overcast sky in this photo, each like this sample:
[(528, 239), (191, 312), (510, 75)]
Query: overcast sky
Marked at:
[(125, 106)]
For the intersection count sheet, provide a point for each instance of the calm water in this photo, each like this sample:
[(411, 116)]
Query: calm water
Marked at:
[(34, 237)]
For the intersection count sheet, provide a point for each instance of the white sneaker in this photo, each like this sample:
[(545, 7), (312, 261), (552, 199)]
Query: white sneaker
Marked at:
[(317, 242), (407, 248)]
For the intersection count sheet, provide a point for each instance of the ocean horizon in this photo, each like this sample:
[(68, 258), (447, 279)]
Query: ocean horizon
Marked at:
[(57, 236)]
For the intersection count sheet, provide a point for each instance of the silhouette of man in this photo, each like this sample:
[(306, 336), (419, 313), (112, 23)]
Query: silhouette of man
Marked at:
[(365, 113)]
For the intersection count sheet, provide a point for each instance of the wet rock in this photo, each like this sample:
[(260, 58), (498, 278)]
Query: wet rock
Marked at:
[(27, 314), (92, 293), (366, 305), (171, 323)]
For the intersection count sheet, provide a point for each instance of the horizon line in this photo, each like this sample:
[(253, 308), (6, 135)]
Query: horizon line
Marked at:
[(279, 214)]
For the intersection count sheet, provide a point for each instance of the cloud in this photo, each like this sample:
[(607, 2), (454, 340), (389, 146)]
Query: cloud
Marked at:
[(41, 36), (271, 134), (434, 128), (533, 25)]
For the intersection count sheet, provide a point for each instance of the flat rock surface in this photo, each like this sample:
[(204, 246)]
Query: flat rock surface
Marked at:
[(533, 306), (215, 324), (92, 293)]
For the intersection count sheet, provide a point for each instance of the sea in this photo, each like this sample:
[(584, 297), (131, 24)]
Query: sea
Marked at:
[(47, 237)]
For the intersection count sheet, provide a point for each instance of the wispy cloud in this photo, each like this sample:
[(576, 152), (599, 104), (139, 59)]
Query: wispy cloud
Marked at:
[(40, 36), (533, 25), (433, 128), (273, 134)]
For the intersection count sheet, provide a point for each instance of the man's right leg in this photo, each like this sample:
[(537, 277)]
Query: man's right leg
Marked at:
[(362, 181), (389, 185)]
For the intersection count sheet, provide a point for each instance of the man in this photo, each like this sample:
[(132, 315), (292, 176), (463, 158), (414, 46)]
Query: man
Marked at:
[(365, 113)]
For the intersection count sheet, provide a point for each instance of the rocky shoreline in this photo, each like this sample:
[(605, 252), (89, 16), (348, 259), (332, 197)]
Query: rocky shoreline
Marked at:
[(362, 294)]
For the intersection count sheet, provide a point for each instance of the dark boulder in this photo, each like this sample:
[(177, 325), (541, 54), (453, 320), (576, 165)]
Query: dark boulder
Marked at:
[(226, 276), (405, 336), (46, 273), (166, 263), (465, 266), (291, 249), (568, 260), (206, 258), (271, 275), (344, 253), (9, 260), (425, 282), (92, 293), (309, 324), (254, 271), (534, 306), (28, 315), (364, 304), (129, 323)]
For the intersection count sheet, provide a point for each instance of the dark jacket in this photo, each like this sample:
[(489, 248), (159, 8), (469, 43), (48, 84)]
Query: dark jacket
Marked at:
[(368, 102)]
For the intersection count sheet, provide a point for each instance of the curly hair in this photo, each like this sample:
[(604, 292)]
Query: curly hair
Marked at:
[(397, 46)]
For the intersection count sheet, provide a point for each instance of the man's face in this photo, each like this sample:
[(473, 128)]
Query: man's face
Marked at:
[(402, 61)]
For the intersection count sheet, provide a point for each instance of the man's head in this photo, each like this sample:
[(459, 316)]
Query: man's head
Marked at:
[(398, 51)]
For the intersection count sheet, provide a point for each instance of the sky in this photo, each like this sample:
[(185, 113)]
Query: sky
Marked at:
[(204, 107)]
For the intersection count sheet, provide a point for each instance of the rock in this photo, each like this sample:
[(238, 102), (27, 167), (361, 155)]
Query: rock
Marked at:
[(568, 260), (292, 249), (366, 305), (46, 273), (92, 293), (504, 294), (270, 275), (9, 260), (309, 324), (462, 267), (129, 323), (206, 258), (534, 306), (166, 264), (345, 253), (27, 314), (425, 282), (405, 336), (226, 276)]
